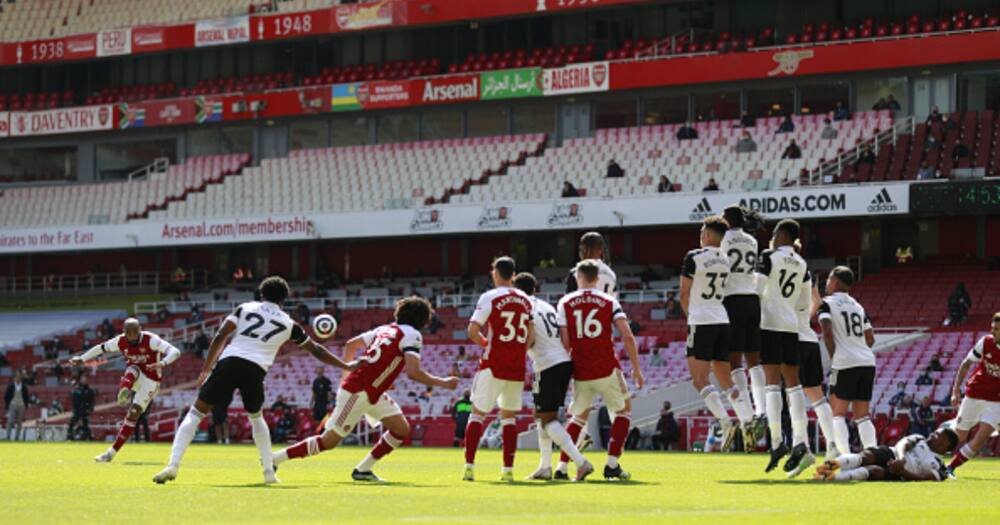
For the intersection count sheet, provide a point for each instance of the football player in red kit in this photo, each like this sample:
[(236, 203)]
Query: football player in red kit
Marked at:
[(982, 396)]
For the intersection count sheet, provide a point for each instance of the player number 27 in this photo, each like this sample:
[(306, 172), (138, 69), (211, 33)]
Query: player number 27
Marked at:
[(257, 321), (587, 326), (520, 333)]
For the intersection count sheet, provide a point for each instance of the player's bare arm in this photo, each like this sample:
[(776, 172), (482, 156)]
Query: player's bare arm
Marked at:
[(168, 354), (475, 333), (418, 374), (827, 325), (353, 347), (321, 353), (870, 337), (956, 388), (564, 337), (686, 293), (898, 467), (633, 351), (215, 349)]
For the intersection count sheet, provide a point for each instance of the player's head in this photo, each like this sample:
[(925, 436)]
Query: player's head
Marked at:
[(943, 441), (274, 289), (786, 232), (713, 229), (414, 311), (525, 282), (503, 270), (592, 246), (586, 273), (841, 279), (132, 330), (996, 325), (734, 216)]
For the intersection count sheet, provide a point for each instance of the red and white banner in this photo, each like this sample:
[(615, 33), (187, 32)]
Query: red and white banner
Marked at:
[(387, 94), (577, 78), (148, 39), (221, 31), (362, 16), (290, 25), (169, 112), (4, 124), (463, 88), (115, 42), (62, 120)]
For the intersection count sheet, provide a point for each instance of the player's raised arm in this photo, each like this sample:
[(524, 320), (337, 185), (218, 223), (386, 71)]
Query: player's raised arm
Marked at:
[(321, 353), (90, 354)]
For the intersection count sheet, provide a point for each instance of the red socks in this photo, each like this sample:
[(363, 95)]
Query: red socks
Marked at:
[(387, 444), (307, 447), (125, 432), (961, 456), (128, 378), (573, 429), (509, 427), (619, 433), (473, 431)]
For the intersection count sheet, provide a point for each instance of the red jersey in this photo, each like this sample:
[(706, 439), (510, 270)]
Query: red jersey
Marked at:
[(984, 382), (589, 316), (505, 315), (142, 354), (387, 345)]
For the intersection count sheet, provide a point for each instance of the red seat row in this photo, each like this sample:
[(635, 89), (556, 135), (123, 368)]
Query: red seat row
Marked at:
[(33, 101), (870, 28), (399, 69), (539, 57)]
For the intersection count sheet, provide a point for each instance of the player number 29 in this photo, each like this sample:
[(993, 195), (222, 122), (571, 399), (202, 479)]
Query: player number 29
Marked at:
[(587, 327), (520, 333)]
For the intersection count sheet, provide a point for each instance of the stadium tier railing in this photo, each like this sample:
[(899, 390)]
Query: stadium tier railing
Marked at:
[(828, 172), (97, 283)]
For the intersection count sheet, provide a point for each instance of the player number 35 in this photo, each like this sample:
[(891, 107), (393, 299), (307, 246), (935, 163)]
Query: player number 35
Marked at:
[(520, 333)]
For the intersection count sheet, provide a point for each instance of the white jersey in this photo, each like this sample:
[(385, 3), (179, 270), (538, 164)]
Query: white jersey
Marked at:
[(548, 349), (607, 280), (741, 248), (804, 307), (708, 268), (848, 323), (784, 276), (919, 457), (261, 329)]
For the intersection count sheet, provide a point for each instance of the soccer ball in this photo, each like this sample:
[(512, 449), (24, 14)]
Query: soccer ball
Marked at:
[(324, 326)]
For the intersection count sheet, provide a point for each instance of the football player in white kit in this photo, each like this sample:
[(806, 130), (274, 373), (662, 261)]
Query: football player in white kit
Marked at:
[(258, 330), (913, 458), (553, 370), (593, 247)]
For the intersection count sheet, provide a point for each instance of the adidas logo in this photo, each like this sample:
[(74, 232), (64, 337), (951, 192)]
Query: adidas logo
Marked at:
[(702, 210), (882, 203)]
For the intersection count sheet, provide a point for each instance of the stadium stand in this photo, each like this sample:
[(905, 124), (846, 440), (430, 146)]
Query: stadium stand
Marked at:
[(386, 176), (114, 202), (20, 329), (646, 153)]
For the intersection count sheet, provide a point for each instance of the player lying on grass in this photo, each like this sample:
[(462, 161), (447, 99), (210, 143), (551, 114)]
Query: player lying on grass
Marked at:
[(146, 355), (255, 333), (982, 396), (914, 458), (387, 351)]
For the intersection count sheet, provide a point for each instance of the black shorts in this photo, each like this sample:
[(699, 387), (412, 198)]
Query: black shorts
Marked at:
[(810, 364), (744, 322), (779, 348), (708, 342), (550, 386), (234, 373), (883, 455), (853, 384)]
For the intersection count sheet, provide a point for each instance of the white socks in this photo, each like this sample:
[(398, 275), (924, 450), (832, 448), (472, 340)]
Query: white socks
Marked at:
[(262, 438), (559, 435), (774, 406), (544, 446), (714, 401), (742, 405), (858, 474), (866, 431), (824, 415), (184, 435), (758, 384), (797, 413), (849, 461), (841, 436)]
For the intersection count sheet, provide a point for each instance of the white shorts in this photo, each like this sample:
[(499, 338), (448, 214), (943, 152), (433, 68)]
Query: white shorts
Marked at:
[(973, 411), (488, 392), (613, 390), (145, 390), (351, 407)]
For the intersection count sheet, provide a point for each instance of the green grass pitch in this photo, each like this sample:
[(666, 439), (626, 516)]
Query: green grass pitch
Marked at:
[(44, 483)]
